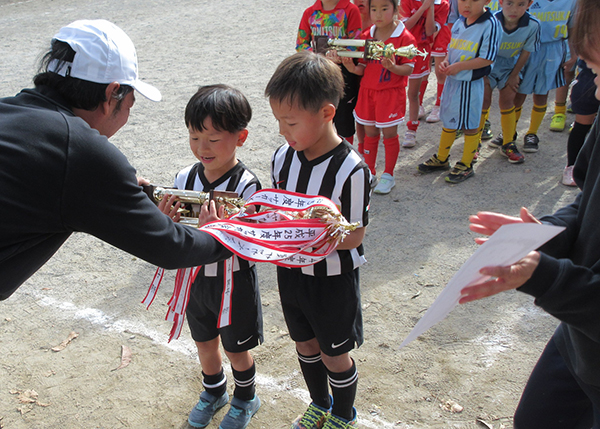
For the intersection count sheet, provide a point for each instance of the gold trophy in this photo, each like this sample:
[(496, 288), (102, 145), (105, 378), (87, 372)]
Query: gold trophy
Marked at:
[(189, 216), (373, 49)]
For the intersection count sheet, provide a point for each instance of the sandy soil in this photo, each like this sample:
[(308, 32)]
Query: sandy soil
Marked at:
[(479, 357)]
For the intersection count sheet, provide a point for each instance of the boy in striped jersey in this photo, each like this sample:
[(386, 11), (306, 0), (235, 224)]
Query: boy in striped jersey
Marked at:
[(321, 303), (471, 53), (216, 118)]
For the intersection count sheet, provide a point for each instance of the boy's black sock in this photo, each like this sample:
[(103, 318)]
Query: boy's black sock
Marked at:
[(576, 140), (343, 387), (215, 384), (245, 387), (315, 376)]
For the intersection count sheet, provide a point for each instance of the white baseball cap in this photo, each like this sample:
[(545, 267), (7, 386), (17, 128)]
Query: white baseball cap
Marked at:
[(103, 54)]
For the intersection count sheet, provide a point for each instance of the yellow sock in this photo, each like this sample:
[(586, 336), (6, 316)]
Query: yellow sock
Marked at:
[(446, 142), (560, 108), (509, 124), (518, 111), (537, 116), (484, 116), (471, 144)]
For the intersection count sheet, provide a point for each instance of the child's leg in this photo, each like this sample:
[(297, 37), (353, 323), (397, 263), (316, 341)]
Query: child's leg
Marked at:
[(213, 377), (371, 144), (583, 124), (314, 372), (422, 89), (244, 373), (540, 103), (560, 103), (343, 378), (471, 145), (446, 142), (508, 119), (360, 134), (391, 143), (412, 94), (441, 79)]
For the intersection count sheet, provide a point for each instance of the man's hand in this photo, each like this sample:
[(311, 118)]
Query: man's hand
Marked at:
[(170, 206)]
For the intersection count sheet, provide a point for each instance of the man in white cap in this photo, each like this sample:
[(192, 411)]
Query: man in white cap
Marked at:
[(56, 162)]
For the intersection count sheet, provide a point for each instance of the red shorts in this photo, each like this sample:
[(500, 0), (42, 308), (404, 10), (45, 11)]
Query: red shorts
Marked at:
[(380, 108), (422, 65), (441, 41)]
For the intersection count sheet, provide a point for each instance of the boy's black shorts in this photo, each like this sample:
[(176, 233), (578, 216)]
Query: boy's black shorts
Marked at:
[(246, 329), (325, 308), (583, 93)]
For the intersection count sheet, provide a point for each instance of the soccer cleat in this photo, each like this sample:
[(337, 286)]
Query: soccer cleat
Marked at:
[(434, 116), (558, 122), (313, 418), (512, 153), (240, 413), (486, 133), (530, 144), (335, 422), (433, 164), (410, 138), (459, 173), (499, 141), (421, 112), (385, 185), (567, 178), (206, 408)]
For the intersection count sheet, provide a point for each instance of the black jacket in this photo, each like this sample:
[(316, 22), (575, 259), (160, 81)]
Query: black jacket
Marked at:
[(566, 283), (57, 176)]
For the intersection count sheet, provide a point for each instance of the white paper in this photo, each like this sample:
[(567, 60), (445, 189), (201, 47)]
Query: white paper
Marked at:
[(506, 246)]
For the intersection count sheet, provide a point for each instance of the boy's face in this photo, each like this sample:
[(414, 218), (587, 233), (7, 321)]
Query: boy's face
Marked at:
[(513, 10), (472, 9), (302, 129), (216, 149), (363, 5)]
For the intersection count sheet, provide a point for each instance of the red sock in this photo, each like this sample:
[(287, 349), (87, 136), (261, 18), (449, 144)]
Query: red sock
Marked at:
[(350, 139), (440, 88), (422, 89), (370, 152), (392, 149), (412, 125), (361, 148)]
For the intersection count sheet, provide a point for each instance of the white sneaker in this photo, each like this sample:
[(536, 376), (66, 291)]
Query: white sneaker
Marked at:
[(567, 178), (434, 116), (385, 185), (410, 139), (421, 112)]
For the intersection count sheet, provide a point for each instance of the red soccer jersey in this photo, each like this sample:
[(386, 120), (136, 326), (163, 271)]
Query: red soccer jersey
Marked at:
[(441, 9), (376, 76), (343, 22)]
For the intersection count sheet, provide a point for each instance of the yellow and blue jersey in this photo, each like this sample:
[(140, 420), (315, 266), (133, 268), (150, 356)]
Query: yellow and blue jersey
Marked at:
[(554, 17)]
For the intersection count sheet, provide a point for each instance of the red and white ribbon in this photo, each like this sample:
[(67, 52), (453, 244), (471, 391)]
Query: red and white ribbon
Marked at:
[(275, 235)]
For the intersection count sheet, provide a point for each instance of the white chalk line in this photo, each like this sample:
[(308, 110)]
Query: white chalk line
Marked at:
[(187, 348)]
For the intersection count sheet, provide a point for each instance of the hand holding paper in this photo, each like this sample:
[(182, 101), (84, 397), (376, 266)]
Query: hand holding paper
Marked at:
[(512, 241)]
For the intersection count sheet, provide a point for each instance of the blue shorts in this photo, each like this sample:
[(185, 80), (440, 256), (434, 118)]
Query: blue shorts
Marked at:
[(583, 93), (543, 72), (502, 68), (461, 104)]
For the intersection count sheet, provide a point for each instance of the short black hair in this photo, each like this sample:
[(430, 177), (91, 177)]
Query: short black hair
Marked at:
[(308, 79), (77, 93), (227, 108)]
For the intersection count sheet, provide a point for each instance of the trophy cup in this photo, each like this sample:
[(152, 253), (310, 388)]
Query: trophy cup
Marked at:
[(373, 49), (230, 200)]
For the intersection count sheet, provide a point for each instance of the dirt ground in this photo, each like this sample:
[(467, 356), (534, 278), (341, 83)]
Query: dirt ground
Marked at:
[(418, 237)]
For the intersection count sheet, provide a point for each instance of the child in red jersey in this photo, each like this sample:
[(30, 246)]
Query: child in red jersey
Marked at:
[(382, 96), (423, 19)]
